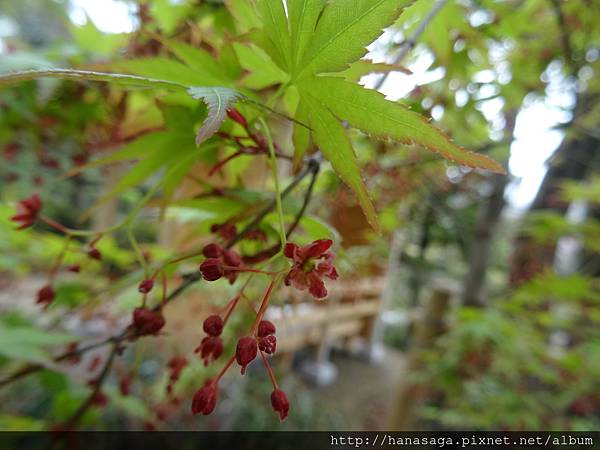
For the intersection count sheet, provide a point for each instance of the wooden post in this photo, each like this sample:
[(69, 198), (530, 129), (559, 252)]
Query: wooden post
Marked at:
[(428, 327)]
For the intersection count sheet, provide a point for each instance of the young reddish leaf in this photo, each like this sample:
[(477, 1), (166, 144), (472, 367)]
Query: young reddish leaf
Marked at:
[(218, 100)]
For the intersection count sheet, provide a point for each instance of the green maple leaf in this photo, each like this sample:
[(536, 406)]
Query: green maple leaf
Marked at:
[(315, 43)]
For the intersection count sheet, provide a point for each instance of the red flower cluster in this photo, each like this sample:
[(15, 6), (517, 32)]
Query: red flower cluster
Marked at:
[(311, 263), (248, 346), (27, 212), (211, 347), (218, 263), (147, 322), (262, 338)]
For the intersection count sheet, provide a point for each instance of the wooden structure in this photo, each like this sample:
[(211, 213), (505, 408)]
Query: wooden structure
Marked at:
[(346, 319)]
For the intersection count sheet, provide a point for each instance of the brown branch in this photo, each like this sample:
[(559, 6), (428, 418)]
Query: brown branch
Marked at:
[(314, 165), (271, 205), (78, 414), (32, 368), (564, 37)]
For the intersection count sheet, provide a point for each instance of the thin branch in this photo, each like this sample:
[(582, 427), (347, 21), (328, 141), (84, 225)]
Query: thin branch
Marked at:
[(32, 368), (410, 43), (271, 251), (78, 414), (272, 204), (564, 36)]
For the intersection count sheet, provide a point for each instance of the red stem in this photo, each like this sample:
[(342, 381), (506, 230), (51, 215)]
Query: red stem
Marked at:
[(57, 226), (222, 163), (263, 307), (246, 269), (268, 366), (231, 306), (224, 369), (59, 260)]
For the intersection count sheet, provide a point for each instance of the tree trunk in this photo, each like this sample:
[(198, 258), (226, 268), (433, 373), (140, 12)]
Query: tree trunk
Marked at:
[(429, 326), (481, 244), (576, 158)]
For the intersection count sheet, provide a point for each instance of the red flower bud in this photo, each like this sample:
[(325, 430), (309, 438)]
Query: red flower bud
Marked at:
[(75, 268), (211, 269), (227, 231), (146, 286), (213, 325), (212, 251), (245, 352), (210, 349), (280, 403), (265, 328), (236, 116), (45, 295), (146, 321), (176, 365), (205, 399), (94, 364), (268, 344), (94, 253), (232, 258), (100, 400)]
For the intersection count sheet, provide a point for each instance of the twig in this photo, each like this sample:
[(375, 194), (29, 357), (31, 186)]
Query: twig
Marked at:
[(410, 43), (564, 36), (267, 253), (32, 368), (272, 204), (72, 421)]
